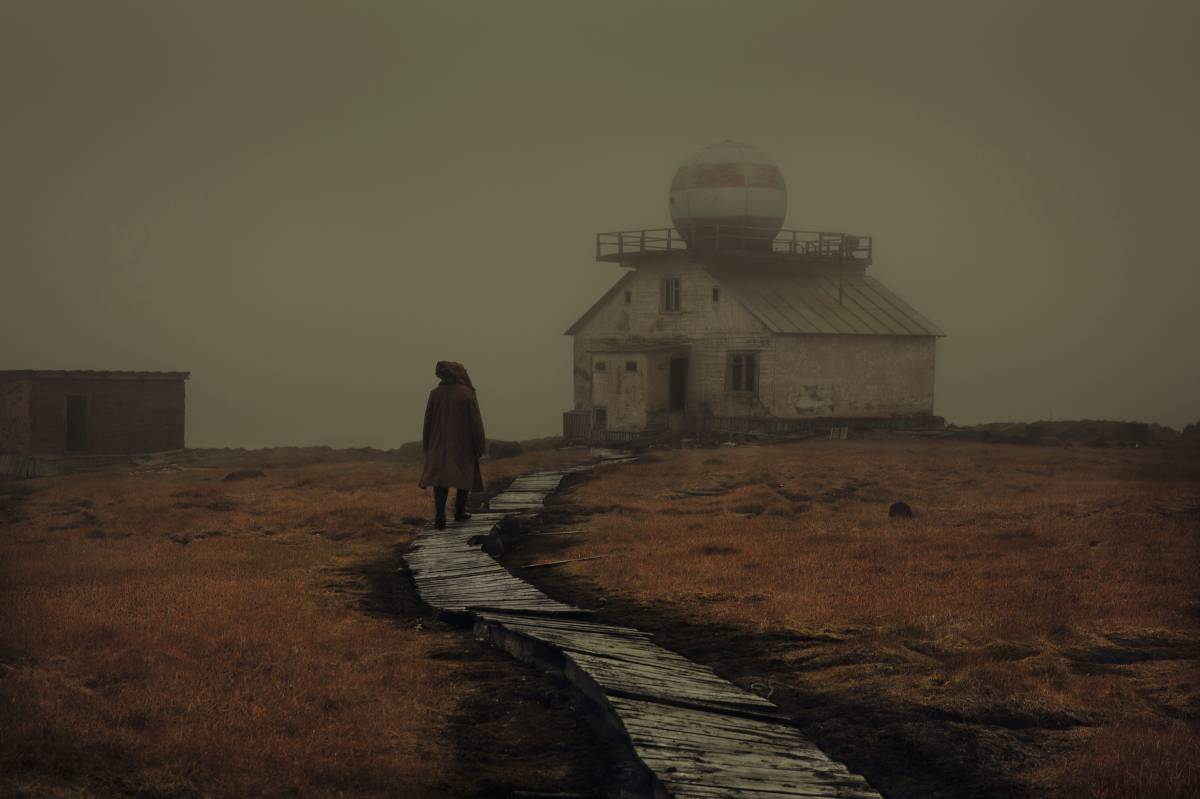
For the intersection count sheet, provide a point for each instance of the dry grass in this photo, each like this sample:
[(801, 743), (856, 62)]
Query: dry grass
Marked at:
[(175, 634), (1036, 588)]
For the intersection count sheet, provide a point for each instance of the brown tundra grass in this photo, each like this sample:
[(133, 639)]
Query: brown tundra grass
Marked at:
[(228, 666), (1051, 584)]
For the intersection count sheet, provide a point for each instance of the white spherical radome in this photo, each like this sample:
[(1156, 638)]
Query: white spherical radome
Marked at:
[(734, 185)]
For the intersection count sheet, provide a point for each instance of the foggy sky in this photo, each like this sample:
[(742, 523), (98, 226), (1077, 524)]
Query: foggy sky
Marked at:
[(307, 204)]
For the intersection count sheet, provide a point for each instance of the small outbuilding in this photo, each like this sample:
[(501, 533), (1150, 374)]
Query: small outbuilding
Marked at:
[(67, 412)]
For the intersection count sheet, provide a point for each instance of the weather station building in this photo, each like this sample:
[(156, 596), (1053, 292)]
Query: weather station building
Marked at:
[(727, 322)]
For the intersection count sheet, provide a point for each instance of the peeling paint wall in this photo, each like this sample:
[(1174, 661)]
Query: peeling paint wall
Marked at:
[(643, 316), (863, 376), (799, 376), (621, 389), (701, 330)]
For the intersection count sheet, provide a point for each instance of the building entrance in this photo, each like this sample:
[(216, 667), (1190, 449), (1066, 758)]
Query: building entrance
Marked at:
[(76, 423), (678, 389)]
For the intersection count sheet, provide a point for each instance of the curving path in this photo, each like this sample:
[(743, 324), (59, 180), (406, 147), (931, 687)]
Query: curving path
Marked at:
[(698, 736)]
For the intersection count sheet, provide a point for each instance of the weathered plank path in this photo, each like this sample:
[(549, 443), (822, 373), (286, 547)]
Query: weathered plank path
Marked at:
[(698, 736)]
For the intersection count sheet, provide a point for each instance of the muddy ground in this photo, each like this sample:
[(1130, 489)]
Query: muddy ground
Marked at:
[(523, 720)]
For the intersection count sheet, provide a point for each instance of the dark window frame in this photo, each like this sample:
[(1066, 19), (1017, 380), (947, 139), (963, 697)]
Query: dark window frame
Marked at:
[(600, 366), (716, 294), (742, 369), (631, 366), (671, 290)]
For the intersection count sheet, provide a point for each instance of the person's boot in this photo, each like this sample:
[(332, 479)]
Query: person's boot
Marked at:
[(439, 507), (460, 507)]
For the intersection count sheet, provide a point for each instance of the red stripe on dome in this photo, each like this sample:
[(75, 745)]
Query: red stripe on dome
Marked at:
[(729, 221), (722, 176), (766, 176)]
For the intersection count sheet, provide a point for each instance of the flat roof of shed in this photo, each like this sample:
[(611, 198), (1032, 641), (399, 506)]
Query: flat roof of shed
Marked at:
[(91, 374)]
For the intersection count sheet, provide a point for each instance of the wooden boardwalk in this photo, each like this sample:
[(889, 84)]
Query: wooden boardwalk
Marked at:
[(698, 736)]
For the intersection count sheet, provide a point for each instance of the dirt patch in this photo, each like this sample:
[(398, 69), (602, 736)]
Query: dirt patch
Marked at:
[(518, 729)]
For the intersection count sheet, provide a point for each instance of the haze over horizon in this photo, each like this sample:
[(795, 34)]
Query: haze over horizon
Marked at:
[(307, 204)]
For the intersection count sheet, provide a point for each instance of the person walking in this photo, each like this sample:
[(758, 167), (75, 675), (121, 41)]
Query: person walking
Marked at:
[(453, 441)]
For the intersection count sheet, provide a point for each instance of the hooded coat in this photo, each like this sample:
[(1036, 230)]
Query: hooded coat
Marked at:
[(453, 439)]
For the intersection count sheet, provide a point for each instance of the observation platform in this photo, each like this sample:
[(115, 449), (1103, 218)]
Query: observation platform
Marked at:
[(735, 241)]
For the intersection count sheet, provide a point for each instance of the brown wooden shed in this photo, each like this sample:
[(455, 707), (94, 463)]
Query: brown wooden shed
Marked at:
[(62, 412)]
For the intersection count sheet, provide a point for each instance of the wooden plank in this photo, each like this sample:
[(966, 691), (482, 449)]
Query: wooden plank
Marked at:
[(644, 712), (716, 736), (685, 790), (638, 671), (679, 783), (774, 781), (596, 627), (455, 589), (749, 752)]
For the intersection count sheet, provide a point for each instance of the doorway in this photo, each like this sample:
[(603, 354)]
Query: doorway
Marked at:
[(77, 423), (678, 389)]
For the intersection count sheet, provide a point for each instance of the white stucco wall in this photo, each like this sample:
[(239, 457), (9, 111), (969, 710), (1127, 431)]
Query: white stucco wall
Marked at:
[(850, 376)]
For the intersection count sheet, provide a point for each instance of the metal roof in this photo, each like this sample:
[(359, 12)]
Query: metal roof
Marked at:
[(808, 303)]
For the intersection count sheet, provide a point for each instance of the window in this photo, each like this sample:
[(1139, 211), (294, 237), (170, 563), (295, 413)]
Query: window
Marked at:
[(631, 366), (716, 293), (670, 294), (599, 418), (629, 298), (601, 366), (742, 375)]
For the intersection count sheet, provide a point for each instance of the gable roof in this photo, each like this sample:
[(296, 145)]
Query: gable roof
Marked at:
[(808, 303), (800, 303), (590, 312)]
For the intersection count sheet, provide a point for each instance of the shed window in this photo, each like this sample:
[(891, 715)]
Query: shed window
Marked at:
[(716, 293), (631, 366), (599, 418), (670, 294), (742, 375), (628, 297), (601, 366)]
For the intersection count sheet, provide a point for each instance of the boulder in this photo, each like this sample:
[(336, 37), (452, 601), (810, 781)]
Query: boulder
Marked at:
[(409, 451), (504, 449), (242, 474)]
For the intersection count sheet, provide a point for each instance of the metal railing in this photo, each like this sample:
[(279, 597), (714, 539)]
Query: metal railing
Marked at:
[(734, 239), (577, 426)]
